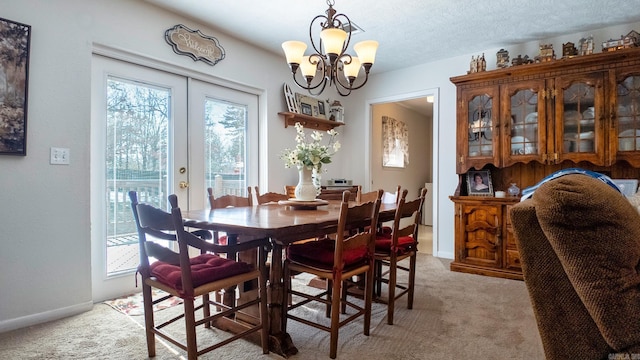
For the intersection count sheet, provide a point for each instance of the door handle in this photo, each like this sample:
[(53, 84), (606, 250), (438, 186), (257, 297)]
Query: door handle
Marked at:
[(183, 184)]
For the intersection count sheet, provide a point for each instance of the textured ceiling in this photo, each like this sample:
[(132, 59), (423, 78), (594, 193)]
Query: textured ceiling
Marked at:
[(411, 32)]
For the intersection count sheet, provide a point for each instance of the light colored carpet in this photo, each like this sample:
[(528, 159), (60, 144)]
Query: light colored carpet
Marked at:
[(455, 316)]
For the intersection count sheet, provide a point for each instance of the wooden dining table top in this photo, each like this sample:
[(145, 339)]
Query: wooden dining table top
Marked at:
[(279, 222)]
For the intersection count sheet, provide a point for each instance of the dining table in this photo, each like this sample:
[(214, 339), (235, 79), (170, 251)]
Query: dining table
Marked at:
[(282, 225)]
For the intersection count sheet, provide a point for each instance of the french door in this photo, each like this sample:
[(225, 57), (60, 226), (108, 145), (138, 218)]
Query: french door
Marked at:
[(158, 133)]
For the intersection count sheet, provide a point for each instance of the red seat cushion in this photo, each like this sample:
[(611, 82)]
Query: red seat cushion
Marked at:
[(320, 253), (205, 268), (383, 244)]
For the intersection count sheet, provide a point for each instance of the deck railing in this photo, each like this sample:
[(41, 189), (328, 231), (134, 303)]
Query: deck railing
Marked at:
[(151, 192)]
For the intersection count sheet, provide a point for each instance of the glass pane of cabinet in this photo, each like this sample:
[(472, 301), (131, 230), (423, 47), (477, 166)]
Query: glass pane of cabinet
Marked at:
[(524, 122), (480, 126), (578, 115), (628, 114)]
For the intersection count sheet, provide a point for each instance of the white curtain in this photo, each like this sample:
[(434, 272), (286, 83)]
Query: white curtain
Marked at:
[(394, 132)]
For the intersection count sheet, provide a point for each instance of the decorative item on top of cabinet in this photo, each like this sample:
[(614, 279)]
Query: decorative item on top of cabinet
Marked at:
[(569, 50), (477, 64), (546, 53), (631, 40), (502, 59), (586, 45)]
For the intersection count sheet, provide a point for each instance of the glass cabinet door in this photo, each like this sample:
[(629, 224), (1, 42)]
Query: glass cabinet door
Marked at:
[(480, 126), (478, 138), (578, 113), (628, 114), (524, 122)]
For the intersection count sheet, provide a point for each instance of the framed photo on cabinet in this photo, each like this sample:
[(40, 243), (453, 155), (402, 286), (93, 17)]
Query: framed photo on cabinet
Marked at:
[(479, 183), (14, 64)]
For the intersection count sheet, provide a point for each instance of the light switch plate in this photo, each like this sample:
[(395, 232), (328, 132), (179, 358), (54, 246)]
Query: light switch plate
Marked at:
[(59, 156)]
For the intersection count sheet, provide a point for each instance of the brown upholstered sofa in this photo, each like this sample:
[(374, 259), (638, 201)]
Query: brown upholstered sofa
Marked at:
[(579, 243)]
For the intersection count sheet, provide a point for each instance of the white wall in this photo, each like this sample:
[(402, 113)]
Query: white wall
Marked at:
[(45, 257)]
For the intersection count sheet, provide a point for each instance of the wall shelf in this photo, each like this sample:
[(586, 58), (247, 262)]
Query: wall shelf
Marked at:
[(290, 119)]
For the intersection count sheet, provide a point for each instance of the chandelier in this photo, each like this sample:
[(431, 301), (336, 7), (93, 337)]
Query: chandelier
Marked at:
[(330, 63)]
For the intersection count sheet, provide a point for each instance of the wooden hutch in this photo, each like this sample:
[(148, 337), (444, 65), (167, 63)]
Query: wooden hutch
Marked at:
[(525, 122)]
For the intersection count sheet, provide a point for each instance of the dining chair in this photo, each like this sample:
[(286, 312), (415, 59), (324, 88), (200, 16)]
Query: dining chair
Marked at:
[(391, 248), (225, 201), (366, 197), (336, 194), (390, 198), (269, 197), (335, 261), (188, 278)]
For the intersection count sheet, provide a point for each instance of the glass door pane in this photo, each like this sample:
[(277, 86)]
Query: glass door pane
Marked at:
[(223, 141), (137, 140), (480, 126), (225, 153)]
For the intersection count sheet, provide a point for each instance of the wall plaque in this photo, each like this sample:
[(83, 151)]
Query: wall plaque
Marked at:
[(194, 44)]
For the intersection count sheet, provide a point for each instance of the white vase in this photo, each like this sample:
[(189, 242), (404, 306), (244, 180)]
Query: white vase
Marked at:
[(305, 190)]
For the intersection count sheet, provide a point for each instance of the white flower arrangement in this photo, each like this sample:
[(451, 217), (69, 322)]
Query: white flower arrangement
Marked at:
[(313, 154)]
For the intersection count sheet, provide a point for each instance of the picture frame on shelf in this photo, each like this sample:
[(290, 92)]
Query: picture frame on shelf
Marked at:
[(628, 187), (321, 109), (317, 106), (13, 119), (306, 109), (479, 183)]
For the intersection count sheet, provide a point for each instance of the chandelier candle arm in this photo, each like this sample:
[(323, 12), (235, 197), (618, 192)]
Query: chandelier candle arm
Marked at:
[(330, 63)]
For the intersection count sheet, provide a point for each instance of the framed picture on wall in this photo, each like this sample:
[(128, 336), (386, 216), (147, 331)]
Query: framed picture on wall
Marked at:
[(14, 66), (479, 183)]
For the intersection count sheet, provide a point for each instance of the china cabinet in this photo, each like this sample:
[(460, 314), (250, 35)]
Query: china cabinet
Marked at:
[(525, 122), (307, 121)]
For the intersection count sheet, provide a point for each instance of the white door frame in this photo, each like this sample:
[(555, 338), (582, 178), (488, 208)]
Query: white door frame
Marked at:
[(435, 123)]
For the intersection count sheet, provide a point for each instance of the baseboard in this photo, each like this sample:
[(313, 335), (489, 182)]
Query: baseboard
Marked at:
[(34, 319), (445, 255)]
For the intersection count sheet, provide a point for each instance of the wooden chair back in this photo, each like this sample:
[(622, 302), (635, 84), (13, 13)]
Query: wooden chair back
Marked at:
[(336, 194), (390, 198), (368, 196), (269, 197), (229, 200)]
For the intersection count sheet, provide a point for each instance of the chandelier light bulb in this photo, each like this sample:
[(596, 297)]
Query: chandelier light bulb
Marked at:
[(366, 51), (307, 68), (333, 40), (351, 69), (294, 50)]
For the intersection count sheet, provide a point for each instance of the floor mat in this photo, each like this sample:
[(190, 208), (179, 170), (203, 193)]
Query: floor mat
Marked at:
[(133, 304)]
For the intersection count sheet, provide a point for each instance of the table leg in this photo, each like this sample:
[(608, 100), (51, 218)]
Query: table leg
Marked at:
[(229, 297), (281, 342)]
